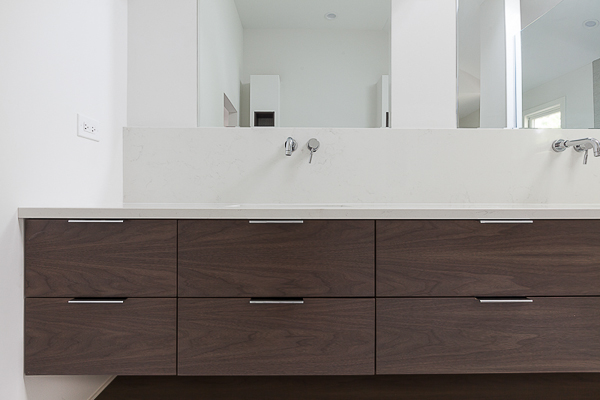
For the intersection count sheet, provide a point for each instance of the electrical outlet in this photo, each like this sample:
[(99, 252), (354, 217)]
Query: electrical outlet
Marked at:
[(87, 128)]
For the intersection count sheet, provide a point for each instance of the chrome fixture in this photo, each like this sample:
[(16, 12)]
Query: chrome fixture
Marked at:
[(579, 145), (276, 221), (506, 221), (313, 146), (290, 146), (497, 300)]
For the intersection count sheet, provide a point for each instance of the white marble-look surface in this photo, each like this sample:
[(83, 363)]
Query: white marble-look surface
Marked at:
[(390, 166), (322, 211)]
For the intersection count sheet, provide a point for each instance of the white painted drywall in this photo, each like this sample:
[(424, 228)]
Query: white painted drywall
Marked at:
[(59, 58), (248, 165), (423, 72), (162, 79), (220, 46), (328, 77), (265, 95), (576, 87)]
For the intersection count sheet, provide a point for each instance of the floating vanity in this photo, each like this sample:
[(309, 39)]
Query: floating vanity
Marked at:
[(312, 290)]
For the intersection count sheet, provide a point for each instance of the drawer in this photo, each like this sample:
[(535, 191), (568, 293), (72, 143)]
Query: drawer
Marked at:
[(464, 336), (134, 258), (235, 337), (137, 337), (468, 258), (236, 258)]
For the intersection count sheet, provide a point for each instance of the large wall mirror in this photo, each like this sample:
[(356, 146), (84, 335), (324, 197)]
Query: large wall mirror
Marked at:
[(561, 67), (294, 63), (556, 63)]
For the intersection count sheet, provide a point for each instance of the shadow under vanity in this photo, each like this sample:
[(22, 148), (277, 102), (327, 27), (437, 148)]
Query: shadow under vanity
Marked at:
[(357, 307)]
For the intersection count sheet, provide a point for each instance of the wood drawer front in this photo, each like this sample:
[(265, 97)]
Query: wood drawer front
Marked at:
[(468, 258), (234, 337), (464, 336), (238, 259), (135, 258), (137, 337)]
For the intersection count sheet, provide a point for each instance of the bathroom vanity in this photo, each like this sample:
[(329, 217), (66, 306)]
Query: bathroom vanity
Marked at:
[(339, 290)]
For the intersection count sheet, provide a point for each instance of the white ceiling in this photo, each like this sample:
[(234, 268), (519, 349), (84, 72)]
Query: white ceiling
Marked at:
[(310, 14), (533, 9), (558, 42)]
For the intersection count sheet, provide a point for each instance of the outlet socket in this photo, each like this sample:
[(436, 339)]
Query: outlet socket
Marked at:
[(87, 128)]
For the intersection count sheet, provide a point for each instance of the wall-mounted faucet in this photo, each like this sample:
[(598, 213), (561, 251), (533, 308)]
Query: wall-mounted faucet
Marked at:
[(579, 145), (313, 146), (290, 146)]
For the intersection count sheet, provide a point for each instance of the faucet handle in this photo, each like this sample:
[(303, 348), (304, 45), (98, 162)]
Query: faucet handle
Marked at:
[(585, 157), (313, 146)]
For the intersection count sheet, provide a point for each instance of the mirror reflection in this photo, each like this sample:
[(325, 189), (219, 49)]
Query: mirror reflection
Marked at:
[(294, 63), (487, 50), (561, 67)]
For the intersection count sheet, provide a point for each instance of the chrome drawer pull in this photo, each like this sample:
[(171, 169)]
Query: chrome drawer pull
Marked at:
[(506, 221), (277, 221), (277, 301), (103, 221), (98, 301), (505, 300)]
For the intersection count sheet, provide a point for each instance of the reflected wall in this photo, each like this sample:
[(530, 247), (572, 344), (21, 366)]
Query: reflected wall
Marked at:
[(329, 57)]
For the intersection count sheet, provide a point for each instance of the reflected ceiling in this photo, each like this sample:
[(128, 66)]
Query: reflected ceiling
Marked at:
[(310, 14)]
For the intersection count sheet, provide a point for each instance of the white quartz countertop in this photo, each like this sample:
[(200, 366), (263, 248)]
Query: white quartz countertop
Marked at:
[(322, 211)]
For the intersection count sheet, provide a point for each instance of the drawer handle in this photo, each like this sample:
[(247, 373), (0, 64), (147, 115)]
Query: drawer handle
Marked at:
[(277, 301), (506, 221), (277, 221), (101, 221), (505, 300), (98, 301)]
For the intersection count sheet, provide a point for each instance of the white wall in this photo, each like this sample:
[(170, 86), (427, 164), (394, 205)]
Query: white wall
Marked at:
[(163, 63), (243, 165), (265, 95), (423, 74), (578, 89), (328, 77), (58, 58), (220, 44)]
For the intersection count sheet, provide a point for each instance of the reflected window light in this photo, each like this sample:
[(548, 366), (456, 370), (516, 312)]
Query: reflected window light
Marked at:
[(548, 118)]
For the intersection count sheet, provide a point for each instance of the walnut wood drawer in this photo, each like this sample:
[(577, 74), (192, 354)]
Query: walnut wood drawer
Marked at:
[(468, 258), (134, 258), (137, 337), (234, 258), (464, 336), (234, 337)]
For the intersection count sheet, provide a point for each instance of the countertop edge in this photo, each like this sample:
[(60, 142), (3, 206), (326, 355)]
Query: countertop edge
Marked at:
[(309, 213)]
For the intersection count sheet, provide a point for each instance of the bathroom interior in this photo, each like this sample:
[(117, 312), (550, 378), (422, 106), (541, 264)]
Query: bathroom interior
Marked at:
[(298, 110)]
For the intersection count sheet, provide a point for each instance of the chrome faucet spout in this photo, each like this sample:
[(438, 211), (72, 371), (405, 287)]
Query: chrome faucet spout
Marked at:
[(579, 145), (290, 146), (585, 144)]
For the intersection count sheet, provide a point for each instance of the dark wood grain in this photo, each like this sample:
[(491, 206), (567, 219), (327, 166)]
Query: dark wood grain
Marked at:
[(238, 259), (433, 336), (467, 258), (130, 259), (134, 338), (403, 387), (319, 337)]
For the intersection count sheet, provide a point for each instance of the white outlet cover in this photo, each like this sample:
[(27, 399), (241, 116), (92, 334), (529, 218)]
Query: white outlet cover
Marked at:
[(87, 128)]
